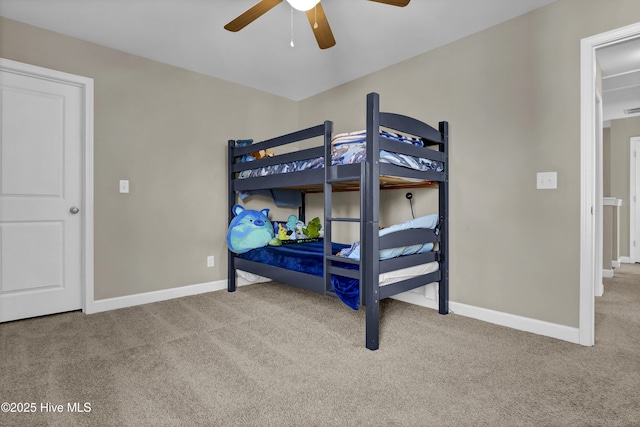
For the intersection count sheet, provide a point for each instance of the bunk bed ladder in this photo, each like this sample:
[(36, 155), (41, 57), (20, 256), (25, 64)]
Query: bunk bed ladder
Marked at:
[(367, 174), (327, 187), (334, 175)]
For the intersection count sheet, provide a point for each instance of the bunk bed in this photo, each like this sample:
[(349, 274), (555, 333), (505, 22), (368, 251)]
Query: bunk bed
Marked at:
[(368, 177)]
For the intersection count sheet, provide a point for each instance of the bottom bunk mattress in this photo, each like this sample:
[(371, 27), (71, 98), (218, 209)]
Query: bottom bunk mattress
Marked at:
[(308, 258)]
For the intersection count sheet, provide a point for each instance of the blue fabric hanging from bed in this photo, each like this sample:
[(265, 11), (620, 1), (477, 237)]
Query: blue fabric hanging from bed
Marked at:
[(282, 198), (347, 289)]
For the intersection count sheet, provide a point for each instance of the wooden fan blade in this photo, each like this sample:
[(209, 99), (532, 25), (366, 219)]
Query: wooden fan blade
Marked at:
[(251, 15), (323, 33), (400, 3)]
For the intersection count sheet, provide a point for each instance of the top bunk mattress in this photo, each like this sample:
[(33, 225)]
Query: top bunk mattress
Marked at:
[(350, 148)]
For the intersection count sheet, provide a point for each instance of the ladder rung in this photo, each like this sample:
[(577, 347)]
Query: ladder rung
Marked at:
[(343, 259), (343, 219), (351, 178), (344, 272)]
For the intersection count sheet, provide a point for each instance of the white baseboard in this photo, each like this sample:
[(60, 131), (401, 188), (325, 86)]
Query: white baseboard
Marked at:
[(625, 260), (163, 295), (553, 330), (539, 327), (607, 274), (615, 264), (527, 324), (155, 296), (599, 290)]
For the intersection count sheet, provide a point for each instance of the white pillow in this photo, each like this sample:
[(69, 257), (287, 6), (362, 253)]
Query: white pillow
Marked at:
[(427, 221)]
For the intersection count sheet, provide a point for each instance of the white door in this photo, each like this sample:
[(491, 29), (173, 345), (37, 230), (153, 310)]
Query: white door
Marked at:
[(41, 196)]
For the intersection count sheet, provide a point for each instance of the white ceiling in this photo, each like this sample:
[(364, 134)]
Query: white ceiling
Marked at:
[(620, 65), (189, 34)]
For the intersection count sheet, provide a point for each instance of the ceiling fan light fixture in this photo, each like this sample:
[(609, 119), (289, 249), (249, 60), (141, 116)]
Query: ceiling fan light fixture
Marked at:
[(316, 17), (303, 5)]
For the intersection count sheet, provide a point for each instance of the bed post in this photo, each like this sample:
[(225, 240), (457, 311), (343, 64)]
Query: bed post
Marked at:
[(369, 217), (443, 209), (302, 209), (327, 206), (231, 200)]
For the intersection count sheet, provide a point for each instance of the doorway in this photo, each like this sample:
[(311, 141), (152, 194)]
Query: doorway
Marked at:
[(46, 191), (590, 205)]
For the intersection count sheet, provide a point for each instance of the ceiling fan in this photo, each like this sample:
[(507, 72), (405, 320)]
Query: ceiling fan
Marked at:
[(315, 15)]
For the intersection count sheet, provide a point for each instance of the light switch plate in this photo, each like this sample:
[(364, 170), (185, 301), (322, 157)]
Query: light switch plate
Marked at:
[(124, 185), (547, 180)]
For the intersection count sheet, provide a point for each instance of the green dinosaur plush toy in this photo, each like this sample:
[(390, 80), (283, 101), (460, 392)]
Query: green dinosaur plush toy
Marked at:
[(312, 230)]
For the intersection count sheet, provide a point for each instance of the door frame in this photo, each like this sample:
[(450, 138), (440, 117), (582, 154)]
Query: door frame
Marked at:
[(598, 288), (634, 251), (589, 214), (86, 86)]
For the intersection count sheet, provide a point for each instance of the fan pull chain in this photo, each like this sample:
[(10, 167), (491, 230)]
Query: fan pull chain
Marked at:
[(291, 44), (315, 16)]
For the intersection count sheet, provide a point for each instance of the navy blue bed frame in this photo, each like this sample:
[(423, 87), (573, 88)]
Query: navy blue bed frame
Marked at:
[(366, 176)]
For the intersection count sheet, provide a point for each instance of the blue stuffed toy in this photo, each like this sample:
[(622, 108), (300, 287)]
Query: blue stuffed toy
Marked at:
[(246, 157), (249, 229)]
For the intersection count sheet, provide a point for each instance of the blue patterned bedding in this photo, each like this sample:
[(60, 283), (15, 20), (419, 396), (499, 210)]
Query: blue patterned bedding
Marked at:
[(308, 258), (350, 148)]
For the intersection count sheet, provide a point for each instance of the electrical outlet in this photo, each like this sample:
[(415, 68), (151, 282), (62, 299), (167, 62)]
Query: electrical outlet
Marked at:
[(547, 180), (210, 261), (124, 185)]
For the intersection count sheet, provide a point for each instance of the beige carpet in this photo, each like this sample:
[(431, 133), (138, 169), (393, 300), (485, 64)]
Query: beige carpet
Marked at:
[(271, 355)]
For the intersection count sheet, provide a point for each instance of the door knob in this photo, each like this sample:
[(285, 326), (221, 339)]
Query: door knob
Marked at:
[(74, 210)]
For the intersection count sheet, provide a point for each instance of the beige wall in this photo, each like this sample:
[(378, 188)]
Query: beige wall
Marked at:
[(621, 133), (165, 129), (512, 96), (510, 93)]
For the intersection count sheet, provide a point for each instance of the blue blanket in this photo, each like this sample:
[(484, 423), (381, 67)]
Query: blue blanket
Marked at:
[(308, 258)]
